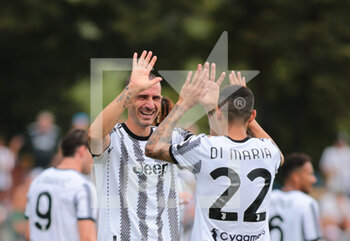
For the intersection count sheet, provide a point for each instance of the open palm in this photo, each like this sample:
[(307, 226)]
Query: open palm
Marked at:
[(141, 69)]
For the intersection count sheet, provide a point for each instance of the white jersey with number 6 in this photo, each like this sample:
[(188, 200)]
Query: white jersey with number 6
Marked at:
[(56, 201), (294, 216), (234, 180)]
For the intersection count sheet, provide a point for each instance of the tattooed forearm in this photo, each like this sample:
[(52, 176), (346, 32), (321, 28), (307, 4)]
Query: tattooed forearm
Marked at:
[(128, 98), (167, 126), (125, 97), (158, 144), (120, 98)]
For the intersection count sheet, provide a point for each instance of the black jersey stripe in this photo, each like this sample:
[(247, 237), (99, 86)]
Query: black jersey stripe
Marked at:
[(187, 146), (160, 207), (125, 225)]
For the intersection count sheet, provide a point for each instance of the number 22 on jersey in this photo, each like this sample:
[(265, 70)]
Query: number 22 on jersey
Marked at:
[(250, 214)]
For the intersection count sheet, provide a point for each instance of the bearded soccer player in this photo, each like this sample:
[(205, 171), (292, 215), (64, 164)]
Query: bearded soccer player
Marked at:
[(234, 172), (138, 195), (294, 215), (61, 202)]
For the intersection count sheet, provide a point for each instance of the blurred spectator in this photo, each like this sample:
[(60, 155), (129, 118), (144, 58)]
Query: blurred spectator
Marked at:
[(80, 120), (42, 139), (15, 145), (335, 216), (7, 163), (335, 164), (294, 214)]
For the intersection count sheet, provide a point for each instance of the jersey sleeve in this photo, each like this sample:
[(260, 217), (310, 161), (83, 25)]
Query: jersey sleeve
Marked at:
[(86, 202), (276, 153), (190, 153), (104, 155), (311, 222), (180, 135)]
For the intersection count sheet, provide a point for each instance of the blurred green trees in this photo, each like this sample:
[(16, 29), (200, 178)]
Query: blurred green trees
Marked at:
[(302, 50)]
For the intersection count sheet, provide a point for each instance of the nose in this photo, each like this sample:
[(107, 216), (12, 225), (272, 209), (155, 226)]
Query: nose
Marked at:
[(149, 104), (314, 179)]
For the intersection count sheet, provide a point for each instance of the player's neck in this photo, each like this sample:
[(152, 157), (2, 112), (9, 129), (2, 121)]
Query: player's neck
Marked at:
[(70, 163), (237, 132), (137, 129)]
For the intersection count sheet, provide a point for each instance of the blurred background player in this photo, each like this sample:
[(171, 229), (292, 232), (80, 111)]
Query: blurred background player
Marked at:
[(80, 120), (61, 202), (294, 215)]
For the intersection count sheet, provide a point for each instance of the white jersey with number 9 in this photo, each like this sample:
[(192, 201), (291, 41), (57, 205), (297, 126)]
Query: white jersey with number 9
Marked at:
[(56, 201)]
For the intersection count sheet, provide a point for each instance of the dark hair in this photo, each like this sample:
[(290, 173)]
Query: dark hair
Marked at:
[(239, 100), (72, 140), (292, 163), (166, 106)]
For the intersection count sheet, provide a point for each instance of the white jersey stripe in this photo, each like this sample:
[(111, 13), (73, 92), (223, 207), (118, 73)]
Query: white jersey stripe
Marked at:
[(314, 215), (172, 209), (141, 210), (88, 196)]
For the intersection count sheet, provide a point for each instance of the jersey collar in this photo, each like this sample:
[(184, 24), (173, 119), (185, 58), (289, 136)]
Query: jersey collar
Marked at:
[(140, 138), (239, 141)]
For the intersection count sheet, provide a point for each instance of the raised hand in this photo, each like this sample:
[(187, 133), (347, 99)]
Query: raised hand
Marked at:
[(194, 88), (237, 80), (210, 99), (141, 69)]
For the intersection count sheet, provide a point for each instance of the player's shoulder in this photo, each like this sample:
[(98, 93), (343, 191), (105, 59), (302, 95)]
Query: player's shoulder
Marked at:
[(262, 141), (116, 128), (72, 176), (185, 134), (277, 194), (304, 198), (38, 175), (300, 198)]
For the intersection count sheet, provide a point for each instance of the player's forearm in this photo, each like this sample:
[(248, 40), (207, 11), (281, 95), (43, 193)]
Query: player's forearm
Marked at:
[(110, 115), (87, 230), (259, 132), (214, 125), (158, 145)]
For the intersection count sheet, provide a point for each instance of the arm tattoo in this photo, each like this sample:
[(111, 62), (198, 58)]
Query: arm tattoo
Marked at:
[(126, 92), (122, 94), (160, 139), (128, 97)]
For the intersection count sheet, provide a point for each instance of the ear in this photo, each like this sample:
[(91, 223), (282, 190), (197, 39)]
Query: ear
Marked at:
[(295, 178), (80, 151), (252, 116)]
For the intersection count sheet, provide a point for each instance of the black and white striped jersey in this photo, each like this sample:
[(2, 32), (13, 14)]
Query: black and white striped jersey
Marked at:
[(294, 216), (57, 199), (138, 196), (234, 182)]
